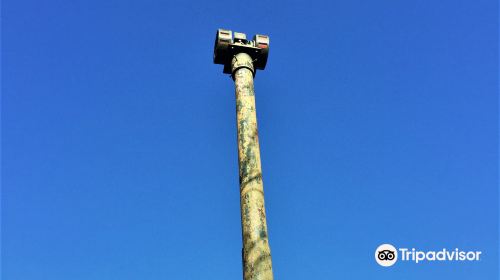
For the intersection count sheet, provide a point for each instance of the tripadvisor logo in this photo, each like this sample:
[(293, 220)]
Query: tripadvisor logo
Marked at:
[(387, 255)]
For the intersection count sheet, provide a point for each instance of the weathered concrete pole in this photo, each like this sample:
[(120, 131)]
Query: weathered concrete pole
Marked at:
[(241, 57), (257, 263)]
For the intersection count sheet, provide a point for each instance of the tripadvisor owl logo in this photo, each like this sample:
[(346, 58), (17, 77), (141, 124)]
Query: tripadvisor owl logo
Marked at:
[(386, 255)]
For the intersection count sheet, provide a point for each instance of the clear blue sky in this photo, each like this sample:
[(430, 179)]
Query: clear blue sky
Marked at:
[(378, 123)]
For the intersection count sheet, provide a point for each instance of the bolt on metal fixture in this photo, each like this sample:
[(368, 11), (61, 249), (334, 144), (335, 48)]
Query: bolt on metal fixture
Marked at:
[(241, 58)]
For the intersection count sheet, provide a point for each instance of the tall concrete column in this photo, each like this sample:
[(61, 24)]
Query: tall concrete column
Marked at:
[(257, 263)]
